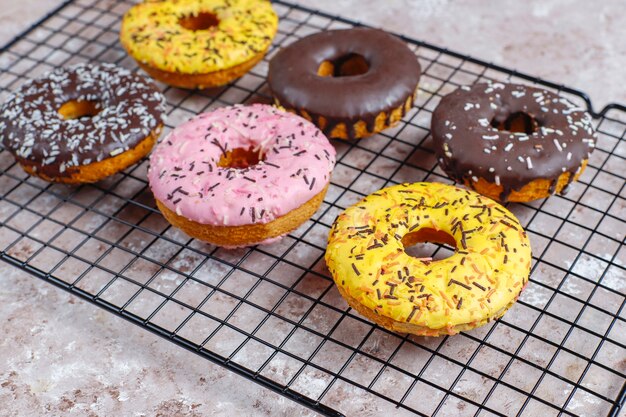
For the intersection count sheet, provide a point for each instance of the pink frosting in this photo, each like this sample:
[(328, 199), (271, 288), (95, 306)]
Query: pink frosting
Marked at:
[(297, 161)]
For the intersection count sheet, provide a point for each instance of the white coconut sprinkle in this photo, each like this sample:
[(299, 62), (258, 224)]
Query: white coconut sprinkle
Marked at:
[(491, 137), (529, 162), (558, 145)]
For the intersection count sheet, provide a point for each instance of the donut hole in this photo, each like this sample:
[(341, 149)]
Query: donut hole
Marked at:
[(201, 21), (517, 122), (78, 109), (240, 158), (344, 66), (428, 243)]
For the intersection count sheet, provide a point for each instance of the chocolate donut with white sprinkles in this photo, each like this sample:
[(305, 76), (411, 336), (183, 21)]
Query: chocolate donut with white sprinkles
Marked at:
[(82, 123), (512, 142)]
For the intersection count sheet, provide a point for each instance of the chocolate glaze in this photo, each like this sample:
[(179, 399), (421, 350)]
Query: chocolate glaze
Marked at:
[(391, 79), (468, 147), (37, 135)]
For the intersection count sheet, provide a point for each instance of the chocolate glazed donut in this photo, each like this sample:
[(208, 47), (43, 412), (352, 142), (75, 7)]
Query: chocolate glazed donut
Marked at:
[(512, 142), (350, 83), (82, 123)]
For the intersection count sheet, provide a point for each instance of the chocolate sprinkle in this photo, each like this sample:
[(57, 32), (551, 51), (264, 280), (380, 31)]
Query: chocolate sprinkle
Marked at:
[(454, 281)]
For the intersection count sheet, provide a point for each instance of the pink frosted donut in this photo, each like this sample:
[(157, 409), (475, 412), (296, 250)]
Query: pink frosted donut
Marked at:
[(241, 175)]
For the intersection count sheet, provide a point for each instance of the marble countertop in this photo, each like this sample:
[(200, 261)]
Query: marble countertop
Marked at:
[(575, 43), (62, 356)]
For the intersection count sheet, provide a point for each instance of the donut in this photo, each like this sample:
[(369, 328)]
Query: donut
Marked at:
[(82, 123), (512, 142), (241, 175), (350, 83), (367, 259), (198, 43)]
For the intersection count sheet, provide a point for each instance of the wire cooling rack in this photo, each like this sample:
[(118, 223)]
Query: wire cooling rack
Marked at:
[(272, 314)]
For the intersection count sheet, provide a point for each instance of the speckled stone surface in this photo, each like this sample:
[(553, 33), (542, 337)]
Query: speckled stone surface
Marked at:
[(16, 16), (575, 43), (61, 356)]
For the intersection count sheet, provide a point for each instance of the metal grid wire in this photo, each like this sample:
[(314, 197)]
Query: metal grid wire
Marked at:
[(272, 314)]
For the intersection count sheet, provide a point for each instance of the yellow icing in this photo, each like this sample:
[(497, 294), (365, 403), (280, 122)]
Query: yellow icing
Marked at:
[(152, 34), (490, 267)]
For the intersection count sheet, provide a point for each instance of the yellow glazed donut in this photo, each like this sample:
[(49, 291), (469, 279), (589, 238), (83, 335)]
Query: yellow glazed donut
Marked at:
[(479, 282), (198, 43)]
